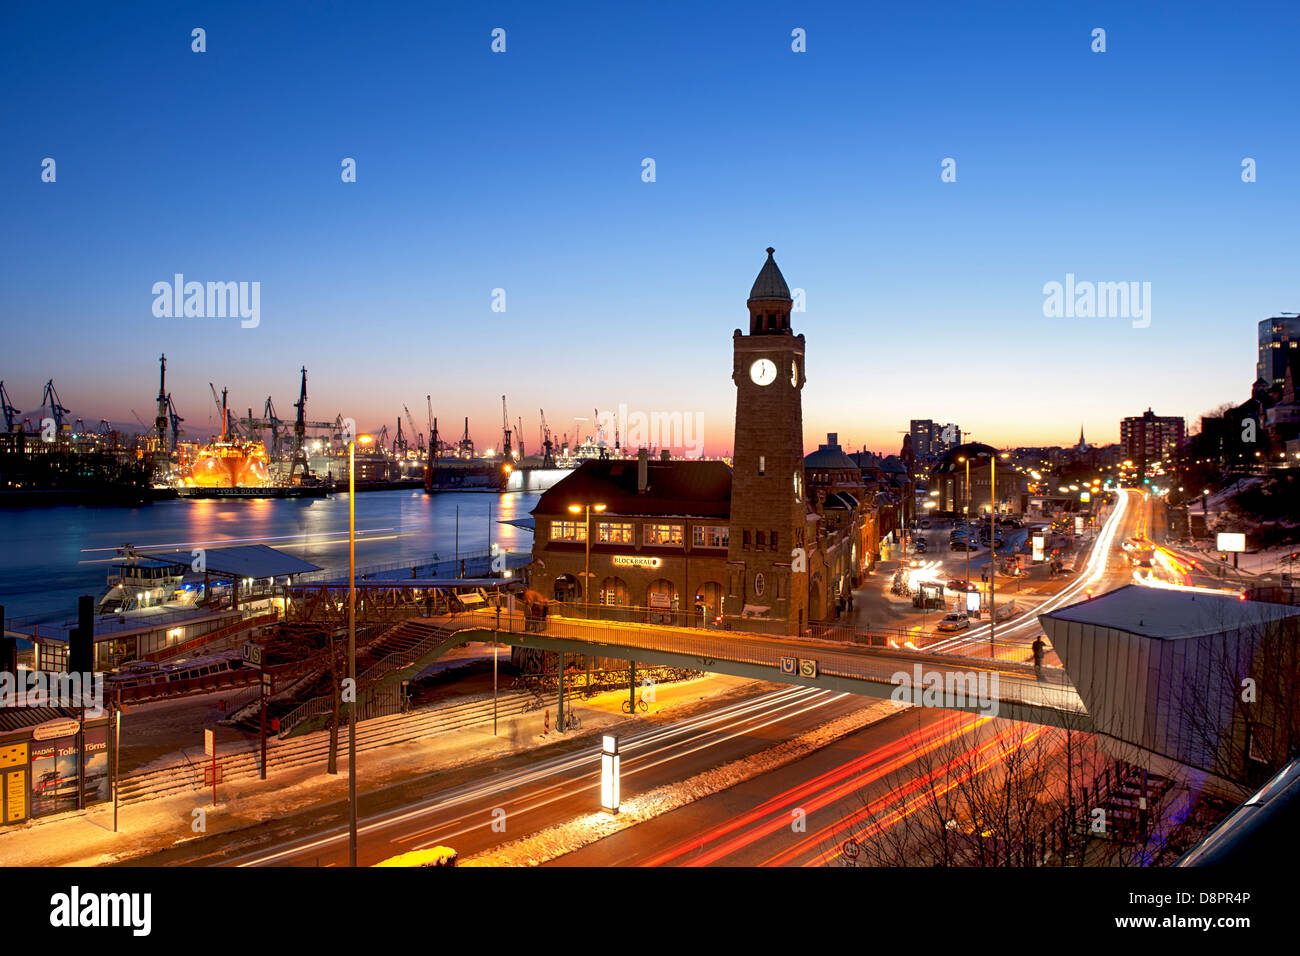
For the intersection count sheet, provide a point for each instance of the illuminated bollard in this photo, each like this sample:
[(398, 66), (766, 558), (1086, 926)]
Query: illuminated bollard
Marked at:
[(609, 795)]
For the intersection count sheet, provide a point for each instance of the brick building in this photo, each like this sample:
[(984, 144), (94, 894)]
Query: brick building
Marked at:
[(694, 542)]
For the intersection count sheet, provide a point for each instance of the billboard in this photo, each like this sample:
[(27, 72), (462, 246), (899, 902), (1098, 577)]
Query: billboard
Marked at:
[(1232, 542), (1038, 547)]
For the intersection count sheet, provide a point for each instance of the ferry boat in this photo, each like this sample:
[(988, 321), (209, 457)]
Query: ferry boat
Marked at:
[(135, 581)]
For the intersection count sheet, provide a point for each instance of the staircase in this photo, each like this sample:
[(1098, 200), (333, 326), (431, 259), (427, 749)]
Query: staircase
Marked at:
[(242, 762), (396, 655)]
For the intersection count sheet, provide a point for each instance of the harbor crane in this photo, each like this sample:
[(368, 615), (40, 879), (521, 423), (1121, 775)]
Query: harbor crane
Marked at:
[(11, 414), (548, 445), (466, 447), (399, 443), (226, 427), (50, 399), (505, 431), (419, 438), (175, 421), (160, 420), (519, 434)]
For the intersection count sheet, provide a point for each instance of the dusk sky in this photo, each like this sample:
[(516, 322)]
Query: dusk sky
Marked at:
[(522, 171)]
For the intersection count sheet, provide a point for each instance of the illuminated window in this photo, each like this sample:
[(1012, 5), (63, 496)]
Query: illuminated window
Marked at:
[(568, 531), (664, 534), (608, 532)]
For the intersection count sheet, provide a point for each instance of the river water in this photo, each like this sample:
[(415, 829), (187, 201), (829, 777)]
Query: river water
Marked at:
[(50, 555)]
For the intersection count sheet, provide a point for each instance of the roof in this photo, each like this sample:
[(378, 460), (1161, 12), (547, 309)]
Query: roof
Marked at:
[(830, 456), (770, 284), (971, 450), (244, 561), (1166, 615), (674, 487)]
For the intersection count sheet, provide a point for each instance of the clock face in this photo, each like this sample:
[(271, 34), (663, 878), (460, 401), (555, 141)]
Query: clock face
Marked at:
[(794, 374), (763, 372)]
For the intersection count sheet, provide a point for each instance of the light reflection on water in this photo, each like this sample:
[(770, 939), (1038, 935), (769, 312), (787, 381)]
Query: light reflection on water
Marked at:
[(50, 555)]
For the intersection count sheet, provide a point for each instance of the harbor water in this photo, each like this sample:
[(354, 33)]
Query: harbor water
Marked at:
[(50, 555)]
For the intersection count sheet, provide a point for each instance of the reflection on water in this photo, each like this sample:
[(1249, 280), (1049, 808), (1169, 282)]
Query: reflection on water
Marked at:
[(50, 555)]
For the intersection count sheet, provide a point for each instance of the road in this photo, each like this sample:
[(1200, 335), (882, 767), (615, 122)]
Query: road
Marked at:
[(532, 792)]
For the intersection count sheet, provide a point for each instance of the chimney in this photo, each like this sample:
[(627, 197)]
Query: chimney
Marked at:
[(642, 470), (832, 438), (664, 455)]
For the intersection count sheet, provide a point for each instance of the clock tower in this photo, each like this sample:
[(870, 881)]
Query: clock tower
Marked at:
[(767, 586)]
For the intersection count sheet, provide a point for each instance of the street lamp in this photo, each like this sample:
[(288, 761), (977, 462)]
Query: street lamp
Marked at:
[(352, 646), (586, 510)]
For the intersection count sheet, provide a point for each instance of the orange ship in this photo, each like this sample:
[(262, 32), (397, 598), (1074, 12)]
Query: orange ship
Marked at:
[(230, 464)]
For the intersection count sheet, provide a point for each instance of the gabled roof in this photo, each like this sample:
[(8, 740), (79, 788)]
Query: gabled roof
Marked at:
[(674, 487)]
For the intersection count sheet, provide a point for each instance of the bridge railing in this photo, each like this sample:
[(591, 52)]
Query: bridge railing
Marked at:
[(1016, 681)]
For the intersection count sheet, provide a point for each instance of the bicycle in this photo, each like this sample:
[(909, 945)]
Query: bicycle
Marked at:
[(571, 721), (640, 703)]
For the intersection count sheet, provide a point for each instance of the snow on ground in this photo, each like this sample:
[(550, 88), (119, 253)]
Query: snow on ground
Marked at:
[(556, 841), (86, 838)]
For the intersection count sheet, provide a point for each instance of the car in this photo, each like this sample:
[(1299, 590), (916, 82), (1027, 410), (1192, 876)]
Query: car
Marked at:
[(925, 524), (959, 584), (921, 547), (961, 545), (955, 621)]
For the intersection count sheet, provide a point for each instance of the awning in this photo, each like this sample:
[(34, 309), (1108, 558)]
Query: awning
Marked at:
[(245, 561)]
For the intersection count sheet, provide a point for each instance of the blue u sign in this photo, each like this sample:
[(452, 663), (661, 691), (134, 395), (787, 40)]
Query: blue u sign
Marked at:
[(789, 665)]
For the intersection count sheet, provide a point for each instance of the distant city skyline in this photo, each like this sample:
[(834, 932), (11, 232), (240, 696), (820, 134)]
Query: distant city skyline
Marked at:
[(523, 172)]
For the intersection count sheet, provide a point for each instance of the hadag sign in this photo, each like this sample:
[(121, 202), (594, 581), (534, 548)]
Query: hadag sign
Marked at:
[(59, 727)]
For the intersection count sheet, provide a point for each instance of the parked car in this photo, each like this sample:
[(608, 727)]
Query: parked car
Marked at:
[(925, 524), (964, 544), (955, 621), (921, 547)]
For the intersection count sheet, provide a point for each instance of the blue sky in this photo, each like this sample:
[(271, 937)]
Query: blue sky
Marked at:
[(522, 171)]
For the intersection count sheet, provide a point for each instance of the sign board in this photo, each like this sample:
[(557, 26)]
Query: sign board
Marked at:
[(851, 849), (636, 561), (253, 653), (1085, 496), (973, 601), (1078, 524), (661, 601), (1231, 542), (210, 771), (60, 727), (1038, 543), (208, 743), (807, 668), (266, 682), (789, 665)]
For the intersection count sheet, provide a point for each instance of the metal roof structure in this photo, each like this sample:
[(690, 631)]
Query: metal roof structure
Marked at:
[(243, 561), (1171, 615)]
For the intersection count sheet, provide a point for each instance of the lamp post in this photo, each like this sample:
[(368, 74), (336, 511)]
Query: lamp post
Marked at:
[(352, 647), (586, 509), (966, 512)]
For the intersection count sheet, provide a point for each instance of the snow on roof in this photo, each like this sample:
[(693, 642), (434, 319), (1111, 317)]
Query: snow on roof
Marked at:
[(1171, 615)]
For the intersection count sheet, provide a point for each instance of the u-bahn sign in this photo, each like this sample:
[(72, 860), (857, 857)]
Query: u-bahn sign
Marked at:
[(789, 666), (253, 653)]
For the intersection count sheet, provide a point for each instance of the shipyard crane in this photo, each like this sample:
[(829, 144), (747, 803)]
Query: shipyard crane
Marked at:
[(50, 399), (466, 447), (399, 443), (11, 414), (505, 431), (548, 446), (175, 421), (227, 424), (382, 438), (419, 439), (160, 420), (519, 433)]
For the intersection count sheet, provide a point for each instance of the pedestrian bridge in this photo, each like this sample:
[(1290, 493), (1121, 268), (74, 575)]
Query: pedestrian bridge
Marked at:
[(955, 682)]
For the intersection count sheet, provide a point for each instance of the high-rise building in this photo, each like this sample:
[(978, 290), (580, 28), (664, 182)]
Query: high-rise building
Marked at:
[(1151, 437), (1277, 337), (931, 439)]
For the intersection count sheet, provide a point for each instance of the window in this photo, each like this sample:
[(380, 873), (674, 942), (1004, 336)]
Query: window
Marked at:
[(710, 536), (773, 540), (762, 464), (664, 534), (568, 531), (746, 541), (609, 532)]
